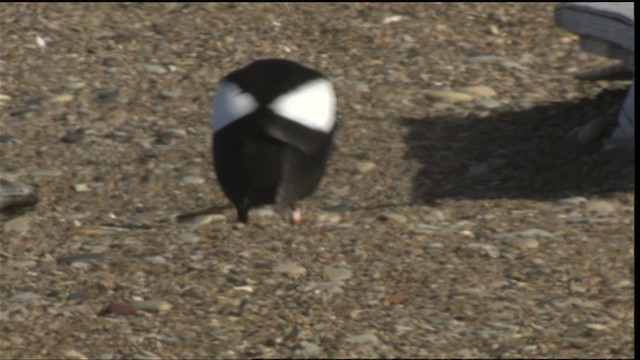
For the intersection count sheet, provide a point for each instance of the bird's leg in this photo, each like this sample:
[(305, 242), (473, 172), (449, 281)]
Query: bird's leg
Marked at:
[(296, 215), (243, 215)]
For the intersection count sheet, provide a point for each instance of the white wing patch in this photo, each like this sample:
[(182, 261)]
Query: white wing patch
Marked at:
[(312, 104), (230, 104)]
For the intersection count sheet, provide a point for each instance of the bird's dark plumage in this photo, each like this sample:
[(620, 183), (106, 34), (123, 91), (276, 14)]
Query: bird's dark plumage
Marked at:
[(273, 123)]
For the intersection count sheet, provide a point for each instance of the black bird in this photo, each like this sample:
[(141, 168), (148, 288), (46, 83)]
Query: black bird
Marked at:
[(273, 125)]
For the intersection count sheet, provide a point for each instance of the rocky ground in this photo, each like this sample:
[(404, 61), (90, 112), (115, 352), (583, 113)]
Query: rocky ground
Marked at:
[(465, 211)]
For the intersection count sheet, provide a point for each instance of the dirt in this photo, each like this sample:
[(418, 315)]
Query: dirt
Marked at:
[(407, 249)]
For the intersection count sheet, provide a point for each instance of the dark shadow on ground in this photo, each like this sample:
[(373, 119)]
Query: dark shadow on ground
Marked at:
[(525, 154)]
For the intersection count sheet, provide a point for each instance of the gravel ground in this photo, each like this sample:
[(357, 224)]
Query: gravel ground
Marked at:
[(459, 216)]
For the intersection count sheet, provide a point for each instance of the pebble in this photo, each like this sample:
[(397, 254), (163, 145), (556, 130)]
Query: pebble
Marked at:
[(69, 260), (309, 349), (158, 260), (290, 268), (364, 167), (19, 225), (118, 309), (522, 243), (22, 264), (434, 216), (622, 284), (189, 237), (194, 180), (206, 219), (393, 217), (449, 95), (530, 233), (152, 305), (46, 173), (6, 139), (600, 207), (483, 59), (73, 136), (574, 287), (74, 355), (578, 221), (421, 228), (171, 93), (81, 188), (574, 200), (61, 99), (581, 303), (478, 90), (338, 274), (363, 339), (262, 211), (155, 69), (328, 219), (597, 327), (327, 286), (487, 249), (24, 297), (489, 104)]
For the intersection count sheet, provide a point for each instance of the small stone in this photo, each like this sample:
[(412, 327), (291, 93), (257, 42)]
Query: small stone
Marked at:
[(290, 268), (74, 355), (70, 260), (363, 339), (192, 180), (189, 237), (157, 260), (483, 59), (155, 69), (522, 243), (245, 288), (81, 188), (434, 216), (364, 167), (401, 329), (393, 217), (478, 90), (206, 219), (328, 219), (489, 104), (118, 309), (574, 287), (530, 233), (396, 298), (6, 139), (46, 173), (262, 211), (73, 136), (152, 305), (24, 297), (338, 274), (622, 284), (600, 207), (327, 286), (18, 225), (581, 303), (449, 95), (487, 249), (597, 327), (574, 200), (310, 350), (171, 93), (61, 99)]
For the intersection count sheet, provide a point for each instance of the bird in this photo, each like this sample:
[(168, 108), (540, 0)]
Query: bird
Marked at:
[(273, 125)]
